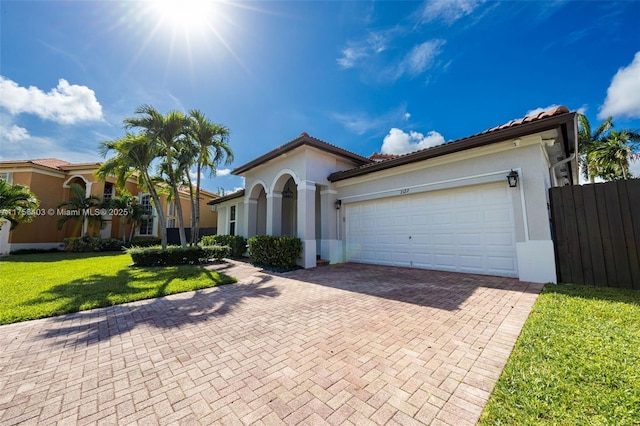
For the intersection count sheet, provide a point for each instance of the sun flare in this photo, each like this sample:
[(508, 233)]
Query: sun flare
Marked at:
[(184, 14)]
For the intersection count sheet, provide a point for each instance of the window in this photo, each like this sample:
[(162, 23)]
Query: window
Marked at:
[(146, 224), (107, 194), (171, 214), (5, 177), (232, 221)]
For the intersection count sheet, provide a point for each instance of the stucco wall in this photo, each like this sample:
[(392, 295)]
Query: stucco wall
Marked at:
[(48, 189)]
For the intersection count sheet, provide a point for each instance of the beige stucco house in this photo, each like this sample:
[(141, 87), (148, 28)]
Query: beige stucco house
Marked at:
[(450, 207), (50, 179)]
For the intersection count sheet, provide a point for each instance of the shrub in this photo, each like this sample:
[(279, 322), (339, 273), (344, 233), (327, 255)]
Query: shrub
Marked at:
[(216, 252), (89, 244), (275, 252), (237, 243), (82, 244), (173, 255), (110, 244), (144, 241)]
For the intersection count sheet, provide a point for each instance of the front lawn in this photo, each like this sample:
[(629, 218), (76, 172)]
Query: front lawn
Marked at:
[(43, 285), (577, 361)]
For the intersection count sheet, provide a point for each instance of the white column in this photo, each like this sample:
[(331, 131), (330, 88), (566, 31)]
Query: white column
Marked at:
[(307, 222), (250, 217), (274, 213)]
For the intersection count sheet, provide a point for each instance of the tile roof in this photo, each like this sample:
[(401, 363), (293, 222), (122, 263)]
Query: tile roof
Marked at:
[(303, 139), (537, 122), (51, 163), (378, 156), (227, 197)]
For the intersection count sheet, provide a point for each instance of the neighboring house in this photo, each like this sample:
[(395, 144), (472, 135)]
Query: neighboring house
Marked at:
[(49, 179), (449, 207)]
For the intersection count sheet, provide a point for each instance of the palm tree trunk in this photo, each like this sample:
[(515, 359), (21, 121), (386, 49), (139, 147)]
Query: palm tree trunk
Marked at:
[(194, 234), (161, 216)]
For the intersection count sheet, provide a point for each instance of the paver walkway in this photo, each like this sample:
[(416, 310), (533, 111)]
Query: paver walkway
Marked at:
[(346, 344)]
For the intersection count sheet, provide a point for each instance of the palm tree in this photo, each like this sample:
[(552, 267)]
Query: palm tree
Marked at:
[(122, 204), (212, 146), (137, 212), (80, 207), (165, 132), (609, 159), (134, 157), (17, 204), (588, 140)]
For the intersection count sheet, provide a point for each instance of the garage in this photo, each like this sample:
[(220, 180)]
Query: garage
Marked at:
[(469, 229)]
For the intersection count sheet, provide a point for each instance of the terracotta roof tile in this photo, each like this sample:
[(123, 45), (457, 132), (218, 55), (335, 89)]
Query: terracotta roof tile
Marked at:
[(52, 163), (379, 156)]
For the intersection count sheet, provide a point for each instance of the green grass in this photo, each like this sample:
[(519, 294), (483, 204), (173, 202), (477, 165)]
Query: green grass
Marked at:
[(43, 285), (577, 362)]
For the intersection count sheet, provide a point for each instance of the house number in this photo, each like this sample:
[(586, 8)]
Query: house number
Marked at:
[(404, 191)]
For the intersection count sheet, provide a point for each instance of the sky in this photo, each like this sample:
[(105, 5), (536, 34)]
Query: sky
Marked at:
[(367, 76)]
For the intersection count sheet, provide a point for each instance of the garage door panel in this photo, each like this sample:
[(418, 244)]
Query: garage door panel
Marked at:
[(468, 230), (441, 219), (501, 264), (468, 218), (500, 239)]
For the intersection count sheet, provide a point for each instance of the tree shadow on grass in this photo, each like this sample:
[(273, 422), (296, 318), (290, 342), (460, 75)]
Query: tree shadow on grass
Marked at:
[(90, 327)]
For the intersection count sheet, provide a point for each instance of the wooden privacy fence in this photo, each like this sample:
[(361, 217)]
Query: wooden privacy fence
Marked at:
[(596, 231)]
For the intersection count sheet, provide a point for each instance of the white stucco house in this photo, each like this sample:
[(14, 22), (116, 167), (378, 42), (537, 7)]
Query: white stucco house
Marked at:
[(449, 207)]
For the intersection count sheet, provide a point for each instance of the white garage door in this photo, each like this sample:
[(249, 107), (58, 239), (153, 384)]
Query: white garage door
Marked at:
[(469, 229)]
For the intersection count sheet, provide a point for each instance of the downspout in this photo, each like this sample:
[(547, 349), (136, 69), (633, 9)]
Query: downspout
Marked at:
[(558, 164)]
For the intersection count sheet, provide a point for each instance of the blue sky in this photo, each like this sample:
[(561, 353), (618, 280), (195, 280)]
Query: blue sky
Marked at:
[(367, 76)]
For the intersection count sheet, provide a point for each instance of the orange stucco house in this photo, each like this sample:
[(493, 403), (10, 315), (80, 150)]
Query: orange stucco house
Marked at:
[(49, 179)]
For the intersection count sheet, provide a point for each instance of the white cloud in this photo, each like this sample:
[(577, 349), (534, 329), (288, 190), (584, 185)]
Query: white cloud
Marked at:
[(623, 94), (223, 172), (356, 51), (407, 116), (65, 104), (13, 133), (449, 10), (400, 142), (421, 57)]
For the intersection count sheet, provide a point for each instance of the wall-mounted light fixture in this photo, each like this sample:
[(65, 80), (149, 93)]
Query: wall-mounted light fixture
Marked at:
[(338, 204), (287, 193), (512, 178)]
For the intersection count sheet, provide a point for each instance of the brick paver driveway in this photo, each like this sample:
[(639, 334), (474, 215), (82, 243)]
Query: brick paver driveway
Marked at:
[(346, 344)]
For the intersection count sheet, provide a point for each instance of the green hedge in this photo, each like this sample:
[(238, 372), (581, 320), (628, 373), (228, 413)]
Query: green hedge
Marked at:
[(88, 244), (216, 252), (275, 252), (237, 243), (175, 255)]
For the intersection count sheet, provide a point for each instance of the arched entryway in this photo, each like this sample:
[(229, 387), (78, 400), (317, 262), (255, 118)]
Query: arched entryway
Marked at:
[(257, 208)]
